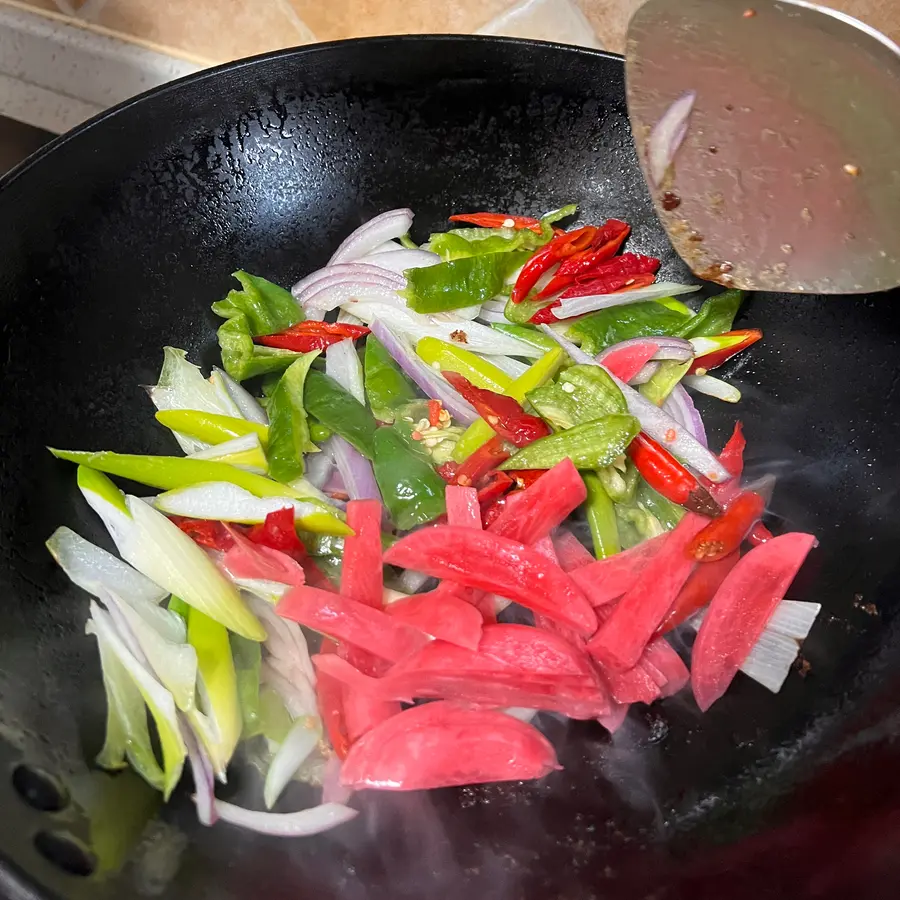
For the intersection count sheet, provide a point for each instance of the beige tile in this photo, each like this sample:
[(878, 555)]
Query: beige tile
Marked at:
[(334, 19), (216, 30)]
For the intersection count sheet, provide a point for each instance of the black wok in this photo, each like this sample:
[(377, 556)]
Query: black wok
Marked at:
[(114, 242)]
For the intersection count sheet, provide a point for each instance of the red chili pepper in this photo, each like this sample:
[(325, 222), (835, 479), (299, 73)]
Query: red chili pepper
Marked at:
[(564, 245), (665, 474), (503, 413), (330, 700), (206, 532), (306, 336), (759, 534), (487, 457), (600, 252), (717, 357), (497, 486), (498, 220), (448, 471), (725, 534), (525, 478), (279, 532), (698, 591), (434, 413)]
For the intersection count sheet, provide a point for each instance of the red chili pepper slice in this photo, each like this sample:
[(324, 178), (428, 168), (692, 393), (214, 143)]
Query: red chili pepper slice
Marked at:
[(665, 474), (598, 260), (311, 335), (698, 591), (487, 457), (503, 413), (525, 478), (279, 532), (448, 471), (434, 413), (759, 534), (498, 220), (563, 245), (207, 532), (715, 359), (725, 534)]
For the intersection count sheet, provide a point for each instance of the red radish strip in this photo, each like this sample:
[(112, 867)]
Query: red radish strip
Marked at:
[(664, 659), (570, 552), (621, 640), (439, 656), (613, 722), (626, 362), (498, 565), (346, 620), (361, 570), (443, 615), (605, 580), (463, 508), (534, 650), (443, 745), (542, 507), (363, 713), (575, 696), (330, 700), (740, 610), (247, 560), (698, 591)]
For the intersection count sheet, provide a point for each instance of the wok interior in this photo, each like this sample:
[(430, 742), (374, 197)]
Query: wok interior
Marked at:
[(114, 244)]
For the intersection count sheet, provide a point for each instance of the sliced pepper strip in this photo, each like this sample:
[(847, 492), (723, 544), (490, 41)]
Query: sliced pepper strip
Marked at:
[(669, 477), (504, 414), (497, 565), (498, 220), (562, 246), (740, 610), (725, 534), (487, 457), (733, 342), (452, 358), (279, 532), (330, 700), (310, 335), (698, 591), (209, 533)]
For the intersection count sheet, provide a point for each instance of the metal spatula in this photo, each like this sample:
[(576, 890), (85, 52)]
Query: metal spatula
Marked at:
[(788, 174)]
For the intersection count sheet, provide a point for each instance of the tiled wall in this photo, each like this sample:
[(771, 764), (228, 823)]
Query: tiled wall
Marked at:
[(219, 30)]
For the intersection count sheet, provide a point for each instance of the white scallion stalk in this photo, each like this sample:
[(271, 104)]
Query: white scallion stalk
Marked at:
[(227, 502), (94, 569), (291, 825), (713, 387), (181, 385), (300, 742), (120, 679)]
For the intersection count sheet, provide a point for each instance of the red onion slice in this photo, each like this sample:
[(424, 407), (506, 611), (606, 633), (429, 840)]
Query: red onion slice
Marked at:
[(432, 383), (298, 824), (328, 297), (574, 351), (385, 227), (667, 135), (578, 306), (202, 771), (681, 408), (332, 789), (355, 470), (347, 270), (296, 748), (645, 373), (678, 349)]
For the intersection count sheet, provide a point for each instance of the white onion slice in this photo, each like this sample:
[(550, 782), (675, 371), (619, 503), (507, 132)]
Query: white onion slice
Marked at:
[(204, 778), (402, 259), (298, 824), (574, 351), (300, 742), (666, 136), (385, 227), (388, 247), (578, 306), (713, 387), (492, 317), (411, 581), (344, 271), (284, 639), (345, 318), (343, 365)]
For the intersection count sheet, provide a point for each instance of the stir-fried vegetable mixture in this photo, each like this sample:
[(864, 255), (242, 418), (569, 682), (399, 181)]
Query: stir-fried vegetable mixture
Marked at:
[(402, 489)]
